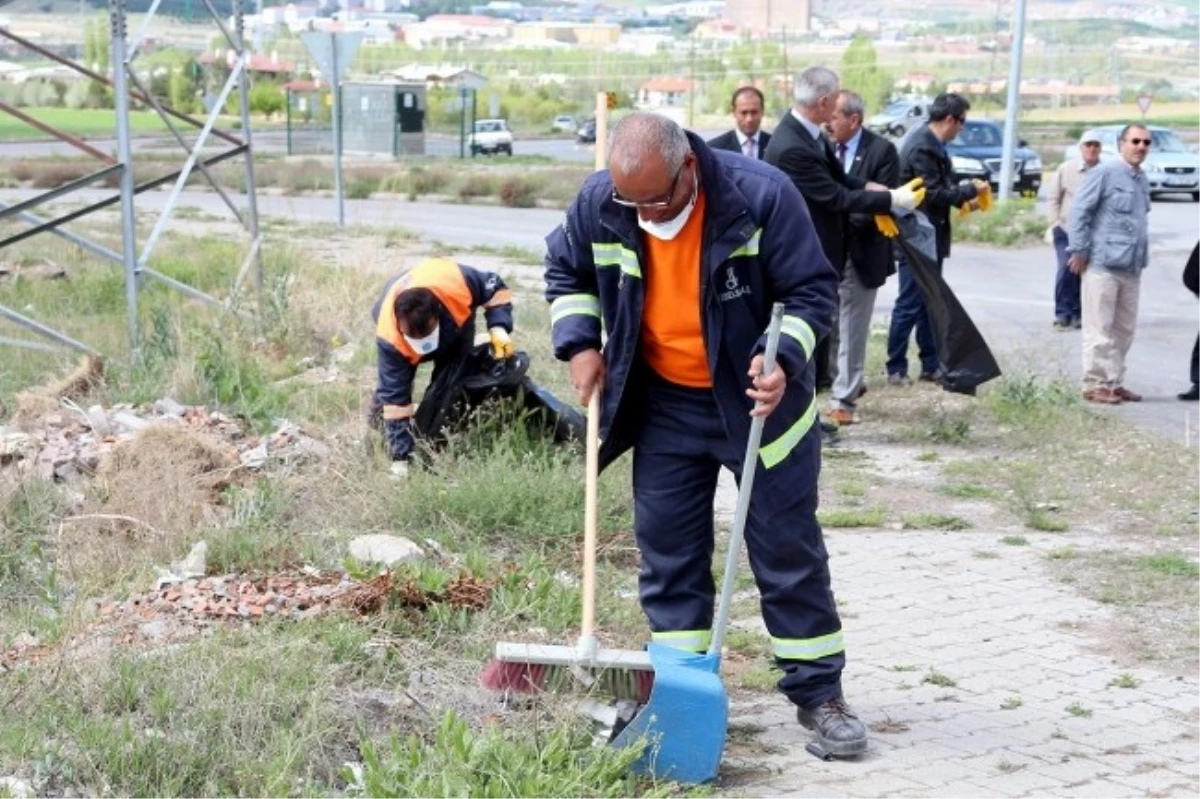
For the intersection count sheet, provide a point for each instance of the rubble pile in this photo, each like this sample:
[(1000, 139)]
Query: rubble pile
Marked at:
[(72, 441)]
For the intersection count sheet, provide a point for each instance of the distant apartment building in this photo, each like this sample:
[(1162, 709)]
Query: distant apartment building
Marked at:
[(770, 15)]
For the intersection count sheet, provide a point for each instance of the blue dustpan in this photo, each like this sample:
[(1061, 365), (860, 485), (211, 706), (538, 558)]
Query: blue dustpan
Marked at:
[(685, 720), (687, 716)]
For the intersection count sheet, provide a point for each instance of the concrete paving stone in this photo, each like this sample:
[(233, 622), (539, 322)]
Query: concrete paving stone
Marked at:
[(940, 772), (1157, 781), (1099, 788), (1023, 781), (957, 789), (816, 791), (880, 785), (982, 743), (1072, 770)]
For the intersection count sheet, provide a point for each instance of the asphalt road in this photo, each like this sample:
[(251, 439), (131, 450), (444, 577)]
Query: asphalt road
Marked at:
[(1008, 292), (275, 143)]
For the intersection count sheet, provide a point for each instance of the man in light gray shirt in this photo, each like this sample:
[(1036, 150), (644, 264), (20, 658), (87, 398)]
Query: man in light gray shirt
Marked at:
[(1064, 185), (1109, 245)]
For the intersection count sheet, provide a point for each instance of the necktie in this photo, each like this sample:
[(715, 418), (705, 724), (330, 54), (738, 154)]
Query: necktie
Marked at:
[(841, 154), (749, 148)]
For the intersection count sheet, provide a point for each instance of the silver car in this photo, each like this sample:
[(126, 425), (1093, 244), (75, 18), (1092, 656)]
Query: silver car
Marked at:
[(1171, 166), (900, 116)]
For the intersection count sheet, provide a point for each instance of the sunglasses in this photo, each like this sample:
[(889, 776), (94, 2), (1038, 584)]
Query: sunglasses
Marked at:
[(1091, 144), (619, 200), (1136, 142)]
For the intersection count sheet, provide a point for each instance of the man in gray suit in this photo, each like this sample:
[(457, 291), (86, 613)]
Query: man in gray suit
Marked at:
[(873, 159)]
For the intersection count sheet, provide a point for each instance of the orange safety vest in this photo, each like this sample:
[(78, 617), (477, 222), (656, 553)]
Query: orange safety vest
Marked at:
[(441, 276)]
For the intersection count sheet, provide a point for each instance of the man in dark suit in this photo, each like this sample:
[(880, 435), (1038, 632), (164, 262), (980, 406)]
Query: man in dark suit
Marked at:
[(923, 154), (870, 158), (747, 137), (804, 155)]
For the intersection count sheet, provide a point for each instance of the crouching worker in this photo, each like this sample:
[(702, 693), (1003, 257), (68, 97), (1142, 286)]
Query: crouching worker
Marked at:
[(428, 314)]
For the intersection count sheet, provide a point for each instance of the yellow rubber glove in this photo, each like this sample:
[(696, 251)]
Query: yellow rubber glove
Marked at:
[(917, 184), (985, 198), (502, 346), (887, 225)]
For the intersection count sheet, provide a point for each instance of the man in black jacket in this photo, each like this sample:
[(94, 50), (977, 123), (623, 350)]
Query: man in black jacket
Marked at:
[(1191, 279), (872, 158), (923, 155), (747, 137), (804, 155)]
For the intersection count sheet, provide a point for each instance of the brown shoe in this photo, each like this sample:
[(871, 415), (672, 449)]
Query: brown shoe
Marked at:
[(841, 417), (1102, 396), (1127, 395)]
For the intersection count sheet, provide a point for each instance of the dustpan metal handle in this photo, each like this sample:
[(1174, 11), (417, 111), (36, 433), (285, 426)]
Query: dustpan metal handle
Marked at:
[(749, 468), (587, 629)]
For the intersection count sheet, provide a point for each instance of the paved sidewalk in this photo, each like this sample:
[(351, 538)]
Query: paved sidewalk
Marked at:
[(1031, 711)]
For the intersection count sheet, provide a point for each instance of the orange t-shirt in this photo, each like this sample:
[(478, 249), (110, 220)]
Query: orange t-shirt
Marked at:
[(672, 342)]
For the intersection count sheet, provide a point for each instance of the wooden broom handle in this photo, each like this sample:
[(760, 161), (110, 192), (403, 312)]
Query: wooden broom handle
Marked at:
[(592, 460)]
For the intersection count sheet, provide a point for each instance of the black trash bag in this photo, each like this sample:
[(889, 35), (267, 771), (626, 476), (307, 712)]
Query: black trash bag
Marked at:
[(468, 383), (967, 362)]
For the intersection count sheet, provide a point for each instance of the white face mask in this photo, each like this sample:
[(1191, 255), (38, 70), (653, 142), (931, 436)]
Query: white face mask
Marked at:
[(426, 345), (669, 229)]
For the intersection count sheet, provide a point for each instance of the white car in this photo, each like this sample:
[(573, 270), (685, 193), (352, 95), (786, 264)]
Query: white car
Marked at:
[(491, 136), (1171, 166), (563, 123)]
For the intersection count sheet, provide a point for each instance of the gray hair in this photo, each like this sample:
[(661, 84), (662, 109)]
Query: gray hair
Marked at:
[(642, 133), (852, 103), (814, 83)]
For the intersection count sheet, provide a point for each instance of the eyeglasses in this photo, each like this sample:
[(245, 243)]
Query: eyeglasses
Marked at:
[(1091, 144), (619, 200), (1136, 142)]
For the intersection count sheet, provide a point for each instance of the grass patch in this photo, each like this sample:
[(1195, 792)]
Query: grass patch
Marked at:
[(1015, 541), (1012, 703), (968, 491), (934, 521), (1061, 553), (851, 517), (81, 122), (928, 456), (1170, 564), (1008, 223), (1077, 710), (500, 761), (935, 677), (1124, 680)]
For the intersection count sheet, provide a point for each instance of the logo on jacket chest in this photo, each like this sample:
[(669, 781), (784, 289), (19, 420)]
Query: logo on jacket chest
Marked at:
[(734, 288)]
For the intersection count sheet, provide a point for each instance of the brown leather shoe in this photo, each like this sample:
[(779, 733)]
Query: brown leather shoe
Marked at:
[(1127, 395), (1102, 396), (841, 417)]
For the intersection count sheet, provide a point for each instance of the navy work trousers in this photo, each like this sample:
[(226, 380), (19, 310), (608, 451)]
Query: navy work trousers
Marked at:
[(680, 448), (908, 313)]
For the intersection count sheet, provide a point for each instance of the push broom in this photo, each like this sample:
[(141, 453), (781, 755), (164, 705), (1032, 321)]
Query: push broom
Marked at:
[(532, 668)]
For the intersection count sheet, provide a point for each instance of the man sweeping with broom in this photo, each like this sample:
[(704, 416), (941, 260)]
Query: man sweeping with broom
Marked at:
[(678, 252)]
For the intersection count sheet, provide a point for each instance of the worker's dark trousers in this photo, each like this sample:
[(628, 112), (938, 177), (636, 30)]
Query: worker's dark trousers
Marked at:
[(679, 450)]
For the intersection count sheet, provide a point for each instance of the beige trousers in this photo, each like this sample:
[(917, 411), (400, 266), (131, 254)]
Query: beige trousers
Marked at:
[(1109, 304)]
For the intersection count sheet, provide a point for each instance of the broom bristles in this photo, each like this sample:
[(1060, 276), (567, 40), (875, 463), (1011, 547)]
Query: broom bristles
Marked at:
[(532, 678)]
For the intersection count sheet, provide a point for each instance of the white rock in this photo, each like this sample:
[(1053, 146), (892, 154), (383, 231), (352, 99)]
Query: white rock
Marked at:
[(169, 407), (386, 549), (17, 789), (195, 563), (343, 354), (98, 421), (128, 420), (255, 458)]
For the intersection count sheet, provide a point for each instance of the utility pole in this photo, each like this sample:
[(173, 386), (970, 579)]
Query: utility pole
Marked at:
[(691, 116), (787, 76), (1013, 103)]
